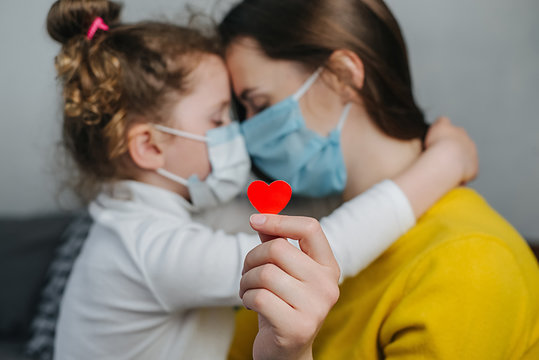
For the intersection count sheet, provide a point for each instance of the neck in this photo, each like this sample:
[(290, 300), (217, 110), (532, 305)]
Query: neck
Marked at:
[(371, 156)]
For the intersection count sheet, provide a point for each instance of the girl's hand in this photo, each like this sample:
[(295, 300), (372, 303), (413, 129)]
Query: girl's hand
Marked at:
[(292, 290), (457, 147), (450, 160)]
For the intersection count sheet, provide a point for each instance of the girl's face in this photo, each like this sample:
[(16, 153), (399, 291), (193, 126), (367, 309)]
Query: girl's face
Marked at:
[(260, 82), (205, 107)]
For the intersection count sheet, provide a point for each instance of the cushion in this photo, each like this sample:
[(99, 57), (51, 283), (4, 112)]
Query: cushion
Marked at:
[(12, 350), (27, 247)]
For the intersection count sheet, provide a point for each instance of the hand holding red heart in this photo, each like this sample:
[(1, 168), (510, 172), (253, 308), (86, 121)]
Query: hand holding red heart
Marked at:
[(292, 290)]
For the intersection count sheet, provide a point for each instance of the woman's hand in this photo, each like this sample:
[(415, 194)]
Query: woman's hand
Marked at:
[(458, 148), (292, 290)]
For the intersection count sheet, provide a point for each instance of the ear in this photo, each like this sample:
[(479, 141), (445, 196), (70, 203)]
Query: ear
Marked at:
[(144, 148), (350, 72)]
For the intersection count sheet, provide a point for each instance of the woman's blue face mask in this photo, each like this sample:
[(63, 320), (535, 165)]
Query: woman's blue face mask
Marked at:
[(281, 146)]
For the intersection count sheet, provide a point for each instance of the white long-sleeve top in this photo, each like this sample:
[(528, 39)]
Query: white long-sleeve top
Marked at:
[(153, 283)]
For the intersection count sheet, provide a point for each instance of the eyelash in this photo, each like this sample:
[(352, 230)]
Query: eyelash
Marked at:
[(260, 108), (218, 122)]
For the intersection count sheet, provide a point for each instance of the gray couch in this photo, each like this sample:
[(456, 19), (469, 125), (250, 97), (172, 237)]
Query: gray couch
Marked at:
[(27, 247)]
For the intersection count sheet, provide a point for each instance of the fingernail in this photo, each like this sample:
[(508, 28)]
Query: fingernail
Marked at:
[(258, 219)]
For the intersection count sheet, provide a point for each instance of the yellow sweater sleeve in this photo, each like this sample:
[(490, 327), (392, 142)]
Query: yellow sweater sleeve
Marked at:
[(466, 299)]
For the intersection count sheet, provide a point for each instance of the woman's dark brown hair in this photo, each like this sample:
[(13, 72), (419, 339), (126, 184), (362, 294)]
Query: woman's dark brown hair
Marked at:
[(128, 74), (309, 31)]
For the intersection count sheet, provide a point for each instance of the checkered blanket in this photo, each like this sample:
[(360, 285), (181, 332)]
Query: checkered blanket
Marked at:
[(43, 327)]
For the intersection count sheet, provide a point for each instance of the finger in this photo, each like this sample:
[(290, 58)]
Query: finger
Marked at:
[(265, 237), (271, 277), (286, 280), (443, 128), (281, 253), (306, 230), (274, 309), (443, 120), (435, 129), (299, 295)]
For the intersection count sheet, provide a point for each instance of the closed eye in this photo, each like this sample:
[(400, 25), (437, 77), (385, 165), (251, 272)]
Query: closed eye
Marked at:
[(257, 103), (218, 122), (259, 109)]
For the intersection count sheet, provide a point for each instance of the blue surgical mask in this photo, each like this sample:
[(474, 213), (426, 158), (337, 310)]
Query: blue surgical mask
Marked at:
[(282, 147)]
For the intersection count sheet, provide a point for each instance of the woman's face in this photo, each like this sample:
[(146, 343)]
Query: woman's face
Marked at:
[(260, 82)]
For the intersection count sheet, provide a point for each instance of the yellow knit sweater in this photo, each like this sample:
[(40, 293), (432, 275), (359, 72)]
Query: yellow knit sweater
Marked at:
[(462, 284)]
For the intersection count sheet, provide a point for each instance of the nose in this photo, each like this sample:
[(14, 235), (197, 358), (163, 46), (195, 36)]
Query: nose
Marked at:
[(228, 116)]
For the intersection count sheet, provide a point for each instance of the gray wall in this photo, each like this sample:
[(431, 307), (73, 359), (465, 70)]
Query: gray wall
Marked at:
[(476, 61)]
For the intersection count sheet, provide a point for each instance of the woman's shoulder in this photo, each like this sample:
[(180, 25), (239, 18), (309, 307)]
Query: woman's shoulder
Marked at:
[(464, 237), (477, 268), (475, 251), (464, 210), (464, 221), (467, 286)]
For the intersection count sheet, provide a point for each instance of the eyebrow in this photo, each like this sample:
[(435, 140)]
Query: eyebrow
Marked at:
[(226, 103), (245, 93)]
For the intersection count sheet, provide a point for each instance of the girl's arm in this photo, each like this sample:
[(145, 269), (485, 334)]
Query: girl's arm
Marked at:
[(194, 266), (451, 159)]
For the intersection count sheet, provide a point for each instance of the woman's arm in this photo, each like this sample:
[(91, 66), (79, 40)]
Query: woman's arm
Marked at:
[(292, 290)]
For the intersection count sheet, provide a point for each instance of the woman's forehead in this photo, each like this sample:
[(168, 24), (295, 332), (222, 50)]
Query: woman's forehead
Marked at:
[(243, 54), (250, 68)]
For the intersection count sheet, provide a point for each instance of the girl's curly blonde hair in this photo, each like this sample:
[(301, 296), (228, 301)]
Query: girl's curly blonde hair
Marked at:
[(128, 74)]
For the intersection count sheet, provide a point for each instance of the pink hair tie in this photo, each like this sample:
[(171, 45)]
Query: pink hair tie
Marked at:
[(97, 24)]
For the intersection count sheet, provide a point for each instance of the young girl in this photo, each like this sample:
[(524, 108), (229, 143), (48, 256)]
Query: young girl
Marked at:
[(146, 120)]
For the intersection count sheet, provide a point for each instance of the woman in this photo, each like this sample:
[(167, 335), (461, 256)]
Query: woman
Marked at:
[(327, 91)]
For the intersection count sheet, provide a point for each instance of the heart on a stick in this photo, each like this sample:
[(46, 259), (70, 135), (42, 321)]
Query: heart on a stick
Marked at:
[(269, 199)]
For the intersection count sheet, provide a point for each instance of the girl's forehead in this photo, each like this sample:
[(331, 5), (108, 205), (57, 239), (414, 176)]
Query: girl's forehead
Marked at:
[(209, 87), (210, 66)]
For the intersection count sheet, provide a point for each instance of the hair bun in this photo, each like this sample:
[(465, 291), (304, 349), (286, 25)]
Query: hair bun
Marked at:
[(68, 19)]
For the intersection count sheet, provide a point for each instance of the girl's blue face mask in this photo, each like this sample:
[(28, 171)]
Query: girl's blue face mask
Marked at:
[(281, 146)]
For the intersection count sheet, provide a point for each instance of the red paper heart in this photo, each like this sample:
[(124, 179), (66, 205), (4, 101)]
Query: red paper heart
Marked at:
[(269, 199)]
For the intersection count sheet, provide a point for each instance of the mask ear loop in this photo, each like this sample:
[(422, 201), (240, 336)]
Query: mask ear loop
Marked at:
[(310, 81), (180, 133), (172, 176), (344, 116)]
